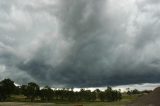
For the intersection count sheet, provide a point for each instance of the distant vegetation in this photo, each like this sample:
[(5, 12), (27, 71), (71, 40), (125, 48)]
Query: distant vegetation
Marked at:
[(32, 93)]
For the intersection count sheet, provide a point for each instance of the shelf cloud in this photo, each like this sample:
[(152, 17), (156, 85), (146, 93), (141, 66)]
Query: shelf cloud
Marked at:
[(80, 43)]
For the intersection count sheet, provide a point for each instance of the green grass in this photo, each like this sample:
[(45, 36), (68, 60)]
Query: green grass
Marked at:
[(69, 104), (20, 101)]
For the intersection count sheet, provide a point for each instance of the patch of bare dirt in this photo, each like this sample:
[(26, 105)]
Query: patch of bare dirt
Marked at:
[(152, 99)]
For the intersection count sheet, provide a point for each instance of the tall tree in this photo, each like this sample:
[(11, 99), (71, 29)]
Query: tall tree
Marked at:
[(46, 94), (32, 91), (7, 88)]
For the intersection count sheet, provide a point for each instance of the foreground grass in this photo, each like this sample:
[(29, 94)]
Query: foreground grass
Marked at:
[(52, 104), (126, 99), (68, 104)]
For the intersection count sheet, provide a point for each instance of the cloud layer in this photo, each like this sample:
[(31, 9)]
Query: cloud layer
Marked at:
[(80, 43)]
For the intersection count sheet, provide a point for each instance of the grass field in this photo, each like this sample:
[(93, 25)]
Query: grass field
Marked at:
[(126, 99), (52, 104)]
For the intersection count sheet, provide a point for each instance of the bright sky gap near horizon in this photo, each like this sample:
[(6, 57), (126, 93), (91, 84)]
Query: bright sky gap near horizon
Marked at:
[(80, 43)]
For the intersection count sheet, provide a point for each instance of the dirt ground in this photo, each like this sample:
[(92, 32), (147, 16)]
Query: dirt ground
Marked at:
[(152, 99)]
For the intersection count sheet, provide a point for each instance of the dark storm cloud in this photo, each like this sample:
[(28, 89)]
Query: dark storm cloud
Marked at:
[(80, 43)]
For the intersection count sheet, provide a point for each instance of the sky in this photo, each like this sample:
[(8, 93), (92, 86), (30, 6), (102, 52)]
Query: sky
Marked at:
[(80, 43), (124, 88)]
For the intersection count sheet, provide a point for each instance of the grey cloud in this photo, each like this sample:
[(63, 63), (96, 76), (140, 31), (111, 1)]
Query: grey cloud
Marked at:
[(80, 43)]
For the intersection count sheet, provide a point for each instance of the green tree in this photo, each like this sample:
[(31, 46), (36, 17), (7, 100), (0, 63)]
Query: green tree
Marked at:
[(46, 94), (17, 90), (102, 96), (7, 88), (128, 91), (32, 91), (112, 95), (135, 91)]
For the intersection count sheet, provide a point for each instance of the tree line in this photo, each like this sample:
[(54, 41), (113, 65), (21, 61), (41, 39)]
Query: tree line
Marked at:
[(33, 92)]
